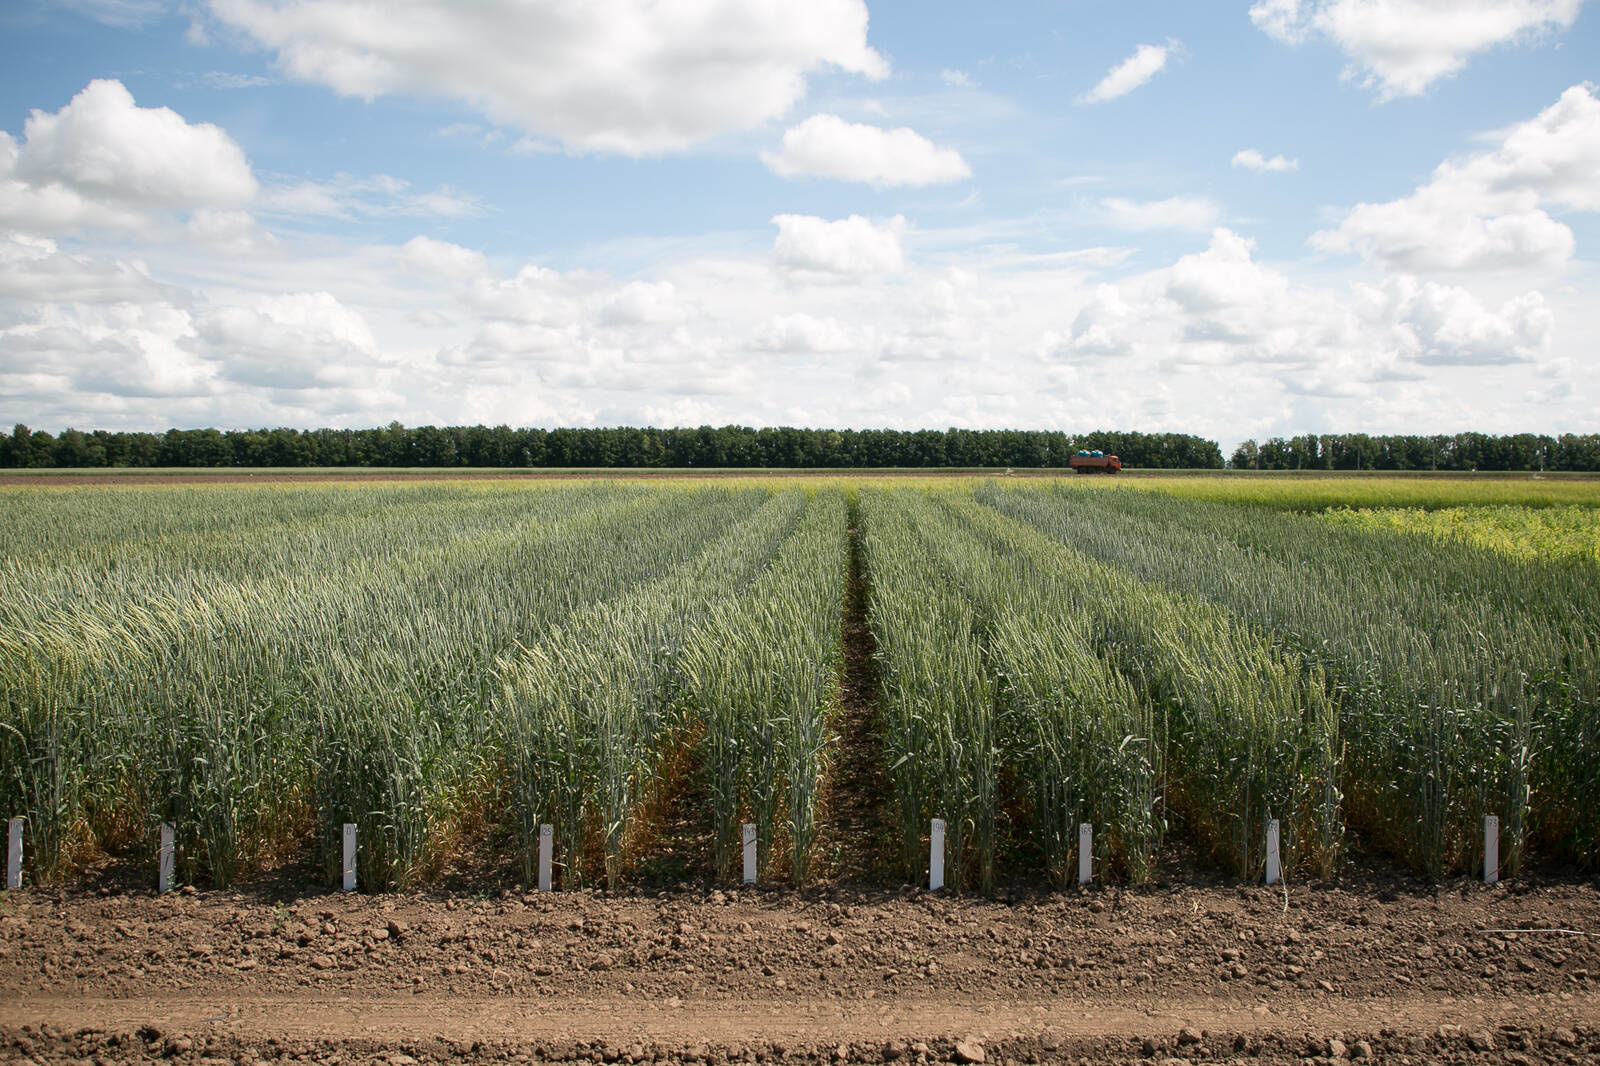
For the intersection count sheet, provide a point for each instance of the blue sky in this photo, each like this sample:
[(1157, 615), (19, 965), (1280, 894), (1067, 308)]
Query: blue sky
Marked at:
[(1238, 219)]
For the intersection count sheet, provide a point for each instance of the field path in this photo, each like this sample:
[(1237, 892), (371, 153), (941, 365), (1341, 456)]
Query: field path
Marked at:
[(688, 1022), (1405, 970)]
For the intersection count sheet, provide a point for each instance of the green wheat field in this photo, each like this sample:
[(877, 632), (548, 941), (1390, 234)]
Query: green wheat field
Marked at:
[(1377, 663)]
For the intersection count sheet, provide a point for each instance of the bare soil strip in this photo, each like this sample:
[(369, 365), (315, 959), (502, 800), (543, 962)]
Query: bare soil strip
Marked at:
[(1396, 971), (684, 1024), (856, 842)]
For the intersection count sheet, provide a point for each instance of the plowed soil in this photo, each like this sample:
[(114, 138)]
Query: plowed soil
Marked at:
[(1387, 971)]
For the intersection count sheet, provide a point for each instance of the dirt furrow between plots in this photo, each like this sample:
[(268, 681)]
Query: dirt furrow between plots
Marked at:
[(856, 838)]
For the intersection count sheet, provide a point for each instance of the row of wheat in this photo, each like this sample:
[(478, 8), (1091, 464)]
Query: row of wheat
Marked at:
[(1026, 682), (1467, 681)]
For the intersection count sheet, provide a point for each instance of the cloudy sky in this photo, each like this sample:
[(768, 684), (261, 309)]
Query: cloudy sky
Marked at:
[(1225, 218)]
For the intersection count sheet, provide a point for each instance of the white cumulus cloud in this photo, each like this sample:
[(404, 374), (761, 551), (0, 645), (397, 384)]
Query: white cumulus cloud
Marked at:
[(1252, 159), (1226, 296), (1146, 62), (1487, 212), (635, 77), (827, 146), (853, 245), (1400, 47), (1446, 325), (115, 354), (802, 333), (535, 295), (1099, 327), (1217, 342), (1223, 308), (642, 303), (443, 259), (296, 340), (104, 161), (36, 269), (225, 232)]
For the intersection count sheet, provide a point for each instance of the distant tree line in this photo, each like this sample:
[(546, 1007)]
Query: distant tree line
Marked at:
[(502, 446), (1458, 451)]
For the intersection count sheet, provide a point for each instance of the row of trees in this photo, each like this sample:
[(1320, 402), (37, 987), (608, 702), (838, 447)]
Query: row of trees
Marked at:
[(502, 446), (1459, 451), (743, 447)]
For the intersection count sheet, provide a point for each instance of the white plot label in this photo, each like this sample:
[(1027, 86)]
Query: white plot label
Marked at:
[(1274, 867), (14, 855), (936, 856), (349, 856), (1491, 849), (164, 860), (547, 837), (1085, 853), (749, 854)]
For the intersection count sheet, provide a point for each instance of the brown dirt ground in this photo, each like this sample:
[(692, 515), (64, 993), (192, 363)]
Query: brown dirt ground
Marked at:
[(1386, 970)]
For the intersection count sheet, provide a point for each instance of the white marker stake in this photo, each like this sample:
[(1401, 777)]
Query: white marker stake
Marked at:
[(349, 856), (547, 838), (936, 856), (1274, 868), (164, 860), (749, 854), (14, 855), (1085, 853), (1491, 849)]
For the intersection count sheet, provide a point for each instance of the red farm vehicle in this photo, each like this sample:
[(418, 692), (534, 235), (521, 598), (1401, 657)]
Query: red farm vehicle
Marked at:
[(1095, 463)]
